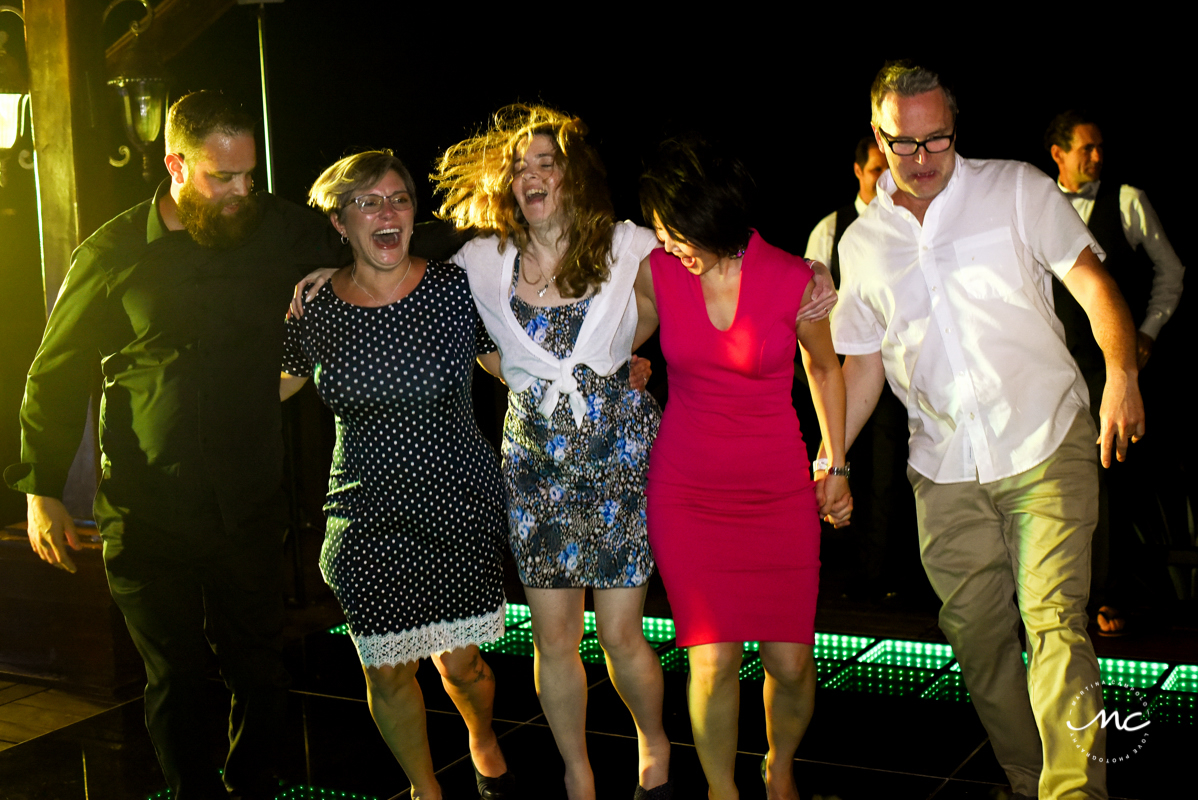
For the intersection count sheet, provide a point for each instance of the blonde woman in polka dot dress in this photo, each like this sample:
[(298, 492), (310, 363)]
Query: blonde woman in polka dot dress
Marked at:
[(415, 537), (552, 274)]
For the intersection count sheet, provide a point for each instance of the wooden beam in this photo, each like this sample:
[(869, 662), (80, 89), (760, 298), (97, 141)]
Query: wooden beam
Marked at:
[(66, 92), (177, 23), (74, 182)]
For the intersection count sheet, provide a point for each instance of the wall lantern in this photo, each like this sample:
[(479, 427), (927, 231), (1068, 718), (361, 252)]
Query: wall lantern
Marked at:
[(14, 102), (139, 80)]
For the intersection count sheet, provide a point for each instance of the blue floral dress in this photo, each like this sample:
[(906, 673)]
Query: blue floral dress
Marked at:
[(577, 493)]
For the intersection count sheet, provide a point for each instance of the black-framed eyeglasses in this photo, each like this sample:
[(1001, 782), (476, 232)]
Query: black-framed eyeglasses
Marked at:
[(909, 147), (373, 203)]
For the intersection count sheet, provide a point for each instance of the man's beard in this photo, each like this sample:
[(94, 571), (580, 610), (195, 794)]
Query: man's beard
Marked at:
[(206, 223)]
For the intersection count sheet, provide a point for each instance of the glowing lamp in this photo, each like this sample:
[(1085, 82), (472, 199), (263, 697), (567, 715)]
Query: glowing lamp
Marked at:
[(14, 98), (139, 81)]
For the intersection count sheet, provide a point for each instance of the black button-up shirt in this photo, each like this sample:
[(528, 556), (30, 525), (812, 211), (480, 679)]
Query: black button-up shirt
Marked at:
[(189, 340)]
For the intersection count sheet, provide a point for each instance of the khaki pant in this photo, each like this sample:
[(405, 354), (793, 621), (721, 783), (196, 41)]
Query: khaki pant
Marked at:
[(1019, 549)]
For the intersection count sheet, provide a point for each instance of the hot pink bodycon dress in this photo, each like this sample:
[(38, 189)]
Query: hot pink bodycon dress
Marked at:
[(733, 520)]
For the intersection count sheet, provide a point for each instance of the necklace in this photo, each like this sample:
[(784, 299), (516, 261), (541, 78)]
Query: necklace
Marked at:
[(353, 274), (551, 279)]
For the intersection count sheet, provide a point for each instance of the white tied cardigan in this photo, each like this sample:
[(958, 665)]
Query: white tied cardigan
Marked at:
[(605, 340)]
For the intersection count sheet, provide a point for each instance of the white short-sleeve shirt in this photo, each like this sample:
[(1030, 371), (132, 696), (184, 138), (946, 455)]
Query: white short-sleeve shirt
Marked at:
[(961, 310)]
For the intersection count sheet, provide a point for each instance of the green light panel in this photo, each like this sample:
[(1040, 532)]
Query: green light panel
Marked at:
[(591, 651), (658, 629), (949, 686), (316, 793), (751, 669), (516, 615), (1183, 678), (888, 666), (840, 648), (1125, 698), (825, 669), (516, 642), (921, 655), (674, 660), (1178, 708), (1130, 673), (880, 679), (294, 793)]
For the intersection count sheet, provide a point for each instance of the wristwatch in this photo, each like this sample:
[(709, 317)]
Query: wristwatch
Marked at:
[(821, 465)]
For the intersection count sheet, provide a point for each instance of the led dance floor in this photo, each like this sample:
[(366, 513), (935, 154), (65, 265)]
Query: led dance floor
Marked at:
[(892, 720)]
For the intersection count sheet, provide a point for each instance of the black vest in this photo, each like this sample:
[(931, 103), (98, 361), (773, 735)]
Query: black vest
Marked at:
[(1132, 270), (844, 218)]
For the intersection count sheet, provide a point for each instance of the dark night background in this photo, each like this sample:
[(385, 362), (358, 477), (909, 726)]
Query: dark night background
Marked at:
[(345, 76)]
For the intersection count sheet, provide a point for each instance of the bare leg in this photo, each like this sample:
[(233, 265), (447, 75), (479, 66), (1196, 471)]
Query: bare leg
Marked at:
[(397, 705), (789, 702), (561, 680), (635, 671), (713, 695), (471, 685)]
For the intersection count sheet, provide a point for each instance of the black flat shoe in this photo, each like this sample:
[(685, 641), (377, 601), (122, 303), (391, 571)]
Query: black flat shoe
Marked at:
[(663, 792), (501, 788)]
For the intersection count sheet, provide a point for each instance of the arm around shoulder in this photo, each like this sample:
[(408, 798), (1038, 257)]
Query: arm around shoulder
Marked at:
[(647, 319)]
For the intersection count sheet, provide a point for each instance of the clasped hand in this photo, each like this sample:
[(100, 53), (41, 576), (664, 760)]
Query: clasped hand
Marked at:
[(834, 498)]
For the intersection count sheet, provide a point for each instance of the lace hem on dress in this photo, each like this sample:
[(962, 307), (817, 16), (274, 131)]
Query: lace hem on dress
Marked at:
[(392, 649)]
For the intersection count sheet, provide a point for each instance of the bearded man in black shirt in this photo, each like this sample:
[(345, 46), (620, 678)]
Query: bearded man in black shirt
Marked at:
[(181, 301)]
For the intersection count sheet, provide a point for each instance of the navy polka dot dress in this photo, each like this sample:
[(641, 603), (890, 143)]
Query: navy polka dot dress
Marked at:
[(414, 544)]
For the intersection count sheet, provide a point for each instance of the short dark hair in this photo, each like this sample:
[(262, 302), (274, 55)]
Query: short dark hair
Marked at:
[(861, 157), (702, 195), (1060, 130), (352, 175), (196, 116), (905, 79)]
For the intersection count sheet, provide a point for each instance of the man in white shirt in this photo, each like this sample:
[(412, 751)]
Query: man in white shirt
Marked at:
[(868, 166), (946, 295), (1148, 271)]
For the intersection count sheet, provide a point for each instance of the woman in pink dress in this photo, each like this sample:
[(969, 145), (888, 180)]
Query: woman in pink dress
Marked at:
[(733, 512)]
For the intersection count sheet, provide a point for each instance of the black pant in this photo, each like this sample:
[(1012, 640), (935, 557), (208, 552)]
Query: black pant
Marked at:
[(888, 542), (185, 591)]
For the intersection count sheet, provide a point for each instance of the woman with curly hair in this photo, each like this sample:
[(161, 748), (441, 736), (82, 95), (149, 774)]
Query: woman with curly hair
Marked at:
[(552, 274)]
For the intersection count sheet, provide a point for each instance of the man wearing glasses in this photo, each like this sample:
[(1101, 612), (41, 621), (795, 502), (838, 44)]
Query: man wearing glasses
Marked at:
[(180, 303), (946, 295)]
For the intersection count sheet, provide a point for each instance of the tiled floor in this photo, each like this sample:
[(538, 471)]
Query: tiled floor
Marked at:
[(27, 712), (878, 741)]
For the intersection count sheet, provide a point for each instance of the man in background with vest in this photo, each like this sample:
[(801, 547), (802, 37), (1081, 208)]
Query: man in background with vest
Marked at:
[(868, 166), (884, 539), (1149, 274)]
